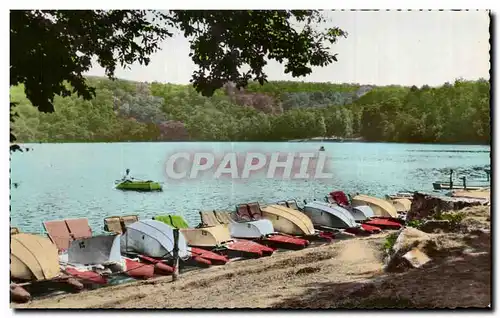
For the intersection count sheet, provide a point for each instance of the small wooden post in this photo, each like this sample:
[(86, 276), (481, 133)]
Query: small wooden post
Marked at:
[(176, 255), (451, 179), (464, 182)]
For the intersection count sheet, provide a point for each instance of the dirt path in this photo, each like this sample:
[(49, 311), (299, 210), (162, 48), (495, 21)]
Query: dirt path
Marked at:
[(251, 283)]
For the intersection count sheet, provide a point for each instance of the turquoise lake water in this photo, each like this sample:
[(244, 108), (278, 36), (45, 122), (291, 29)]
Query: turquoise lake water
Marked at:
[(56, 181)]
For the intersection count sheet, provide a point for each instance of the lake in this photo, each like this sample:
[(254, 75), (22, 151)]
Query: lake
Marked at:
[(57, 181)]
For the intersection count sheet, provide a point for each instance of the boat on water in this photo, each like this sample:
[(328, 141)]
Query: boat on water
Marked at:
[(139, 185), (322, 148), (132, 184), (217, 239), (450, 185), (261, 231)]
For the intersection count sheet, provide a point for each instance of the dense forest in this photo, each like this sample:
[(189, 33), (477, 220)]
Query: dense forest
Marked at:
[(131, 111)]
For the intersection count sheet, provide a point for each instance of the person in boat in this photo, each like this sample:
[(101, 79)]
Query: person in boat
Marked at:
[(126, 177), (322, 148)]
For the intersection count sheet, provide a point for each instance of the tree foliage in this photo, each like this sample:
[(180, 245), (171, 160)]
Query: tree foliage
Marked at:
[(128, 111), (51, 47)]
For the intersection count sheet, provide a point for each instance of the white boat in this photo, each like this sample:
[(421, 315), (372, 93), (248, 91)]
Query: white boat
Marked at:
[(252, 229), (361, 212), (153, 238), (329, 215), (95, 250)]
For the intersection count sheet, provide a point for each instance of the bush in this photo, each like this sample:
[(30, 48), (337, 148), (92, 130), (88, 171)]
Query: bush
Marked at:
[(390, 240)]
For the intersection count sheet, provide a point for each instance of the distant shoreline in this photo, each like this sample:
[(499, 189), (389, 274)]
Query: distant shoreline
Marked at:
[(309, 140)]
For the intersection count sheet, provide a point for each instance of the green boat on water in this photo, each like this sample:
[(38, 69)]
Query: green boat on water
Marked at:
[(139, 185), (131, 184)]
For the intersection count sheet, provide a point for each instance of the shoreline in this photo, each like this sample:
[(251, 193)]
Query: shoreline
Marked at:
[(347, 273)]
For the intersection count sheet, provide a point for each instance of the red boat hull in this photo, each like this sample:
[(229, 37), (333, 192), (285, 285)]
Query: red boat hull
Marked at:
[(371, 228), (284, 241), (249, 249), (139, 270), (87, 276), (201, 255), (384, 224)]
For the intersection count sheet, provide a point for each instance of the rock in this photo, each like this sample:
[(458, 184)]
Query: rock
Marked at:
[(425, 205), (19, 294), (408, 240), (430, 226), (416, 257)]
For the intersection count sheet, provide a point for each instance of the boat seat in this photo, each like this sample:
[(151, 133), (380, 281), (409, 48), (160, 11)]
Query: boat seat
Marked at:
[(283, 203), (292, 204), (14, 230), (224, 217), (127, 220), (255, 211), (208, 218), (58, 233), (243, 212), (113, 224), (79, 228)]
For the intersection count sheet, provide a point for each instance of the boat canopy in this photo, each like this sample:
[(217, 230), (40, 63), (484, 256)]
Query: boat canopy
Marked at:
[(402, 204), (176, 221), (380, 207), (207, 236), (251, 229), (33, 257), (152, 238), (62, 232), (287, 220), (331, 215), (118, 224), (100, 249), (245, 229)]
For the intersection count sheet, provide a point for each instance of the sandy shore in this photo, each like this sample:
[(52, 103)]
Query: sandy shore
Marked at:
[(346, 273)]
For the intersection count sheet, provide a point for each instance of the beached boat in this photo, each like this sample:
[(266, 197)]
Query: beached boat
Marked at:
[(360, 212), (33, 257), (199, 257), (139, 185), (380, 207), (261, 231), (327, 215), (216, 238), (34, 262), (152, 238), (284, 219), (400, 195), (402, 205), (82, 254), (378, 212)]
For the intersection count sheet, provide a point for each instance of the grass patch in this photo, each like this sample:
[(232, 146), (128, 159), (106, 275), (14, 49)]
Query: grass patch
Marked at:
[(390, 240), (415, 223), (455, 218)]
